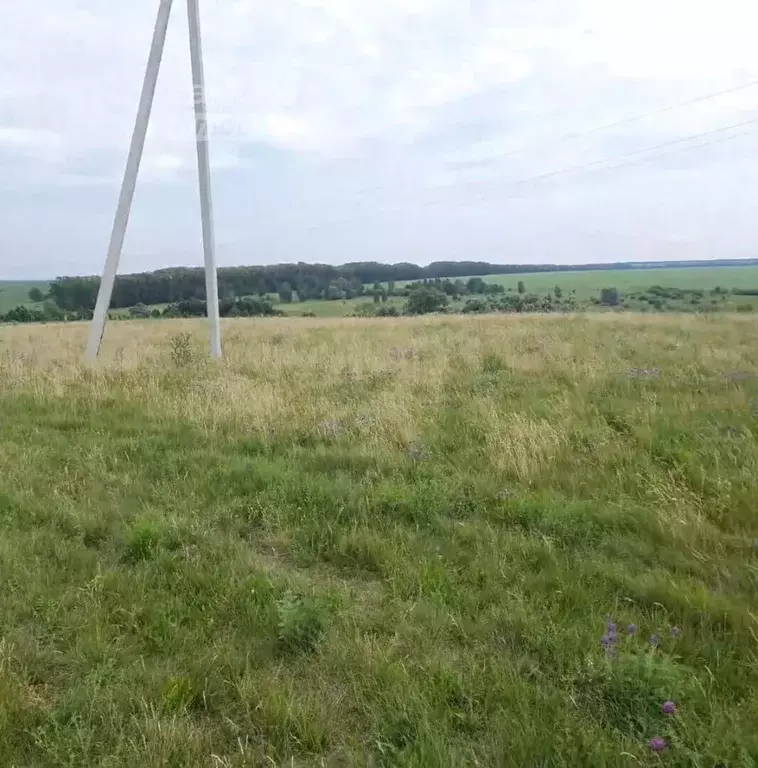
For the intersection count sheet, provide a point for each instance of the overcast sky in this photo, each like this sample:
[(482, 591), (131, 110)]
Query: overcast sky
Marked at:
[(391, 130)]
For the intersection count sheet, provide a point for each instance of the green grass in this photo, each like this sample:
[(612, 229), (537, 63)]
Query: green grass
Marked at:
[(323, 308), (587, 284), (15, 293), (389, 543)]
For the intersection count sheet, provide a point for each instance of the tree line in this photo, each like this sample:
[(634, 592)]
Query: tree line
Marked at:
[(303, 282), (474, 296), (290, 281)]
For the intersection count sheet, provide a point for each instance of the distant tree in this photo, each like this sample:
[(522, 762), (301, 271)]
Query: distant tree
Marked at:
[(476, 285), (610, 297), (521, 287), (36, 295), (424, 300), (139, 311), (20, 315), (285, 293), (475, 306), (53, 312), (391, 287), (349, 288), (558, 291), (333, 293), (378, 292)]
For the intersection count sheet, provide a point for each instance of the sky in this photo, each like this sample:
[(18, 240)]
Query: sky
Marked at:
[(392, 130)]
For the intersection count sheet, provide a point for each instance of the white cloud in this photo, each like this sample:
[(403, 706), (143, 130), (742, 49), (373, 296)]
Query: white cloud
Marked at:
[(380, 102), (28, 138), (322, 76)]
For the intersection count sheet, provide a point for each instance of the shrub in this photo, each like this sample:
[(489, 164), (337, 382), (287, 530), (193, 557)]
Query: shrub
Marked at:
[(52, 311), (139, 311), (425, 300), (475, 306), (302, 623), (182, 354)]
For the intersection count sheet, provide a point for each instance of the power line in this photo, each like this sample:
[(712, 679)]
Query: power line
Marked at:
[(673, 142), (595, 166), (631, 119), (599, 165), (663, 145), (720, 140)]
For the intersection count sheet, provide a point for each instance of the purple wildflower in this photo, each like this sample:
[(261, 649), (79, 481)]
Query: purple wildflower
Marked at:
[(658, 744), (676, 632), (669, 708), (608, 641), (631, 629), (654, 640), (612, 629)]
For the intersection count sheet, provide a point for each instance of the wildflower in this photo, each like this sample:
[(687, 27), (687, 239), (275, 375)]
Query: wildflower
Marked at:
[(669, 708), (612, 628), (654, 640), (631, 629), (607, 641), (676, 632), (658, 744)]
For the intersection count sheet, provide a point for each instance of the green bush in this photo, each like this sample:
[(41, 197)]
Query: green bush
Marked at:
[(302, 623), (425, 300), (476, 306)]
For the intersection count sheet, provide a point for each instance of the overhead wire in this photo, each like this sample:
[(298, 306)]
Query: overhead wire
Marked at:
[(600, 163), (663, 145), (509, 188), (629, 119)]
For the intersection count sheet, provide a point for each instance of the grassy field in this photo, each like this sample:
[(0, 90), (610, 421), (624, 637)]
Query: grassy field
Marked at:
[(590, 283), (15, 293), (322, 308), (389, 543)]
